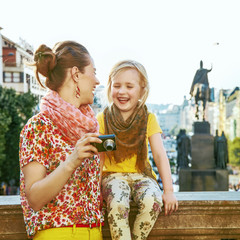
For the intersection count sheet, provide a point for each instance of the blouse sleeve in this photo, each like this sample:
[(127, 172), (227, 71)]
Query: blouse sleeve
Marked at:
[(34, 145)]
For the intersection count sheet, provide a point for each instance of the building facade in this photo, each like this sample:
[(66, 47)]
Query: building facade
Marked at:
[(232, 114), (14, 73)]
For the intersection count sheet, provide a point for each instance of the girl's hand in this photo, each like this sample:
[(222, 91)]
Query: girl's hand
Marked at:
[(83, 149), (170, 203)]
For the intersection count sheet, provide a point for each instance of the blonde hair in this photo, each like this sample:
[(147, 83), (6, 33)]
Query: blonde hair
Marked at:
[(129, 64)]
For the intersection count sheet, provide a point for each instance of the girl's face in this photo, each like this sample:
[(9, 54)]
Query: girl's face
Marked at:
[(126, 91)]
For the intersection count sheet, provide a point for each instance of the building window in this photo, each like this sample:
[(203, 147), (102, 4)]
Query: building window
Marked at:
[(28, 79), (234, 128), (15, 77), (8, 77)]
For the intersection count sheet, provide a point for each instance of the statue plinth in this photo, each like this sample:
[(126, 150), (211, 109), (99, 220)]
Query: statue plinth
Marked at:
[(203, 180), (201, 128), (202, 151), (203, 174)]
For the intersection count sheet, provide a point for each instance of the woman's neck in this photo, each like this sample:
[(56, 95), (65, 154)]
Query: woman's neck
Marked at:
[(69, 96)]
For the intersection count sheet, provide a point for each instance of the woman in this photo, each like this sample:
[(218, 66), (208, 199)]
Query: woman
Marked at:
[(60, 168)]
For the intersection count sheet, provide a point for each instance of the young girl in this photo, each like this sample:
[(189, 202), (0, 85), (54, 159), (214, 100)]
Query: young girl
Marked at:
[(127, 173), (60, 169)]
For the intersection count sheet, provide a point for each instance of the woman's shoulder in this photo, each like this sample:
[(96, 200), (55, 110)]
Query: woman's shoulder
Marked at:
[(38, 118), (37, 122)]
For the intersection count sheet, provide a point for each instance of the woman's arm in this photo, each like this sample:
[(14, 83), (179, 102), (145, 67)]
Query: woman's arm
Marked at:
[(163, 166), (41, 188)]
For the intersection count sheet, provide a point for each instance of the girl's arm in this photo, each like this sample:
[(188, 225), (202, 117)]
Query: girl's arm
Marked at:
[(163, 166), (40, 188)]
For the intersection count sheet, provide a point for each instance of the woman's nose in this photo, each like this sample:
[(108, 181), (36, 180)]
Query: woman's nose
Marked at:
[(97, 81)]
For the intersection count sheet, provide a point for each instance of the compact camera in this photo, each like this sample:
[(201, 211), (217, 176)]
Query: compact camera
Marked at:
[(108, 143)]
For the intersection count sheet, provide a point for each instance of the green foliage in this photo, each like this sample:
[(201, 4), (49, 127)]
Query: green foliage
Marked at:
[(15, 109), (5, 121), (234, 152)]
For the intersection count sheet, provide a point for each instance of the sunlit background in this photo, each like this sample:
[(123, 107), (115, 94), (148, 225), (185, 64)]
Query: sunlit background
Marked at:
[(168, 37)]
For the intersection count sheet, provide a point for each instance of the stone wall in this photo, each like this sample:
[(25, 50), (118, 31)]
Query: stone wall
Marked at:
[(201, 215)]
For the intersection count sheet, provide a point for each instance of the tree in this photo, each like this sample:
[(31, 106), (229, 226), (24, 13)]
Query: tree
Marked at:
[(15, 109), (234, 152), (5, 121)]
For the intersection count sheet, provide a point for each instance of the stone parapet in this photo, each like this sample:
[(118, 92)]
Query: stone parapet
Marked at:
[(201, 215)]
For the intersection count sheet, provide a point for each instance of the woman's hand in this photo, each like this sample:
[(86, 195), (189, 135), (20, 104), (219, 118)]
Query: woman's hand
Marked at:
[(170, 202), (83, 149)]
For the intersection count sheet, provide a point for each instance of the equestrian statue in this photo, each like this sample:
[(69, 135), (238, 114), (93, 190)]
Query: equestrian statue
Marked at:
[(200, 89)]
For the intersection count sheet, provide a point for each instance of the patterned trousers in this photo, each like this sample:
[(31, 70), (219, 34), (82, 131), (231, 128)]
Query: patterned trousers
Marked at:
[(118, 190)]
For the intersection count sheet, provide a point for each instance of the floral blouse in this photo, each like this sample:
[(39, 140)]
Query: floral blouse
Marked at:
[(79, 200)]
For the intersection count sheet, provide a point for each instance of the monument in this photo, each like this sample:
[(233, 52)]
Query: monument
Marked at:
[(207, 171)]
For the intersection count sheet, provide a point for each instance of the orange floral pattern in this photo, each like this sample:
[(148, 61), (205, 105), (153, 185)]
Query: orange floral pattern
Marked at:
[(79, 200)]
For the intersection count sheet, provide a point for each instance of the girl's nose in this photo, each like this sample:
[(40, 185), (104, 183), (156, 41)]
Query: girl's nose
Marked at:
[(121, 90)]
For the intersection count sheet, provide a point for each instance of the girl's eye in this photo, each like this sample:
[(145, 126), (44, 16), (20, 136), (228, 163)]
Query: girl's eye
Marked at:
[(129, 86), (116, 86)]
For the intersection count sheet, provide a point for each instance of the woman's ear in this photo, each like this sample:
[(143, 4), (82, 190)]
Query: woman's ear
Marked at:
[(75, 73)]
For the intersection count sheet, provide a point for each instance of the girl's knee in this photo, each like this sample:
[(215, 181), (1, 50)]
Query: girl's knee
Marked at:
[(150, 203), (115, 205), (119, 211)]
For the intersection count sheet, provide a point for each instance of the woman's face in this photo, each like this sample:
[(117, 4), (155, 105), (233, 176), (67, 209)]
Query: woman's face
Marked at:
[(87, 84), (126, 91)]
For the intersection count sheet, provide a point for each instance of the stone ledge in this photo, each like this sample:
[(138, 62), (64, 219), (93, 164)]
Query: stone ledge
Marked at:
[(201, 215)]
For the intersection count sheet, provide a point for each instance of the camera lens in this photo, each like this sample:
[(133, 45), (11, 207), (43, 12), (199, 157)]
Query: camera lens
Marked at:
[(109, 144)]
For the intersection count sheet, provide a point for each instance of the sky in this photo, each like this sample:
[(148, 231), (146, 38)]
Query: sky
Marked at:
[(169, 37)]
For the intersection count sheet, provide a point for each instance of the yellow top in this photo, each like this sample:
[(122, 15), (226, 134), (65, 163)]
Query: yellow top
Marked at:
[(129, 164)]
